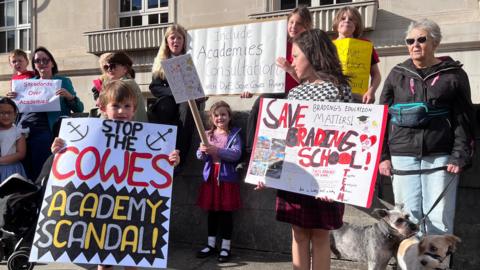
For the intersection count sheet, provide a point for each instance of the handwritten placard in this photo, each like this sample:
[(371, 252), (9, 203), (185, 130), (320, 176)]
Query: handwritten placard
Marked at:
[(37, 95), (107, 200), (355, 56), (183, 78), (237, 58), (319, 149)]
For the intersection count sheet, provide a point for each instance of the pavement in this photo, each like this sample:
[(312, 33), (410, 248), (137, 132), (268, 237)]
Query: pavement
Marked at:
[(182, 256)]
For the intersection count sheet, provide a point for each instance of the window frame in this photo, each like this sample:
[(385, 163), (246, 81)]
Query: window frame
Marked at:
[(144, 12), (277, 4), (18, 27)]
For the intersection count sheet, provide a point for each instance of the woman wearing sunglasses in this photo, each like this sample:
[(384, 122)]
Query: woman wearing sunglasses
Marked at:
[(41, 123), (437, 134), (118, 66)]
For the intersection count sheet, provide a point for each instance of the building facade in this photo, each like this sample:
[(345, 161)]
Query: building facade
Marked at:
[(77, 32)]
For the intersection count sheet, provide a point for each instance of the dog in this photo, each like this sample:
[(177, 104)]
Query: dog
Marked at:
[(431, 252), (375, 244)]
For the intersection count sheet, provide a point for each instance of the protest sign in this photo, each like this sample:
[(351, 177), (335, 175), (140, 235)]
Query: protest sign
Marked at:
[(237, 58), (321, 149), (183, 78), (355, 56), (37, 95), (108, 196)]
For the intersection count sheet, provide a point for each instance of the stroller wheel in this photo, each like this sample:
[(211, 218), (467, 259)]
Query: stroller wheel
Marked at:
[(19, 261)]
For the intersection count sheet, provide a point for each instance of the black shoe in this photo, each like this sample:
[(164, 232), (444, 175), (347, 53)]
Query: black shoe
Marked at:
[(224, 258), (203, 254)]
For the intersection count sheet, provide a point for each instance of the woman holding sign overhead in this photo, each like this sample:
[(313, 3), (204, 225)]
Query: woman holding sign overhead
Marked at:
[(299, 21), (165, 110), (316, 64), (41, 123), (348, 24)]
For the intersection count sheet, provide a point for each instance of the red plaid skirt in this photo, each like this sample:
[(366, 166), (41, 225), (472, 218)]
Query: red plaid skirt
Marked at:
[(307, 212), (218, 197)]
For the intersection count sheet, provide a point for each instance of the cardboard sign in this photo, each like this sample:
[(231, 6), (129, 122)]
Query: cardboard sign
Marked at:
[(238, 58), (107, 200), (356, 57), (322, 149), (37, 95), (183, 78)]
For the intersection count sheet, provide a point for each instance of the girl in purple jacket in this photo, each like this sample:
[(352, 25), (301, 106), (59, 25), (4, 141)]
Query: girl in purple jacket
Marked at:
[(219, 193)]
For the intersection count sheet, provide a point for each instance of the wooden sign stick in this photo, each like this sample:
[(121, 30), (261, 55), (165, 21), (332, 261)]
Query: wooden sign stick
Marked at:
[(198, 121)]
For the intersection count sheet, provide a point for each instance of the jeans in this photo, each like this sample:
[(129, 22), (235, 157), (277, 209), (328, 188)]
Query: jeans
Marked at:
[(419, 192)]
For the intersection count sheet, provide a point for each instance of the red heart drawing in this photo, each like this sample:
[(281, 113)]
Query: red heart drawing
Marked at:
[(373, 139)]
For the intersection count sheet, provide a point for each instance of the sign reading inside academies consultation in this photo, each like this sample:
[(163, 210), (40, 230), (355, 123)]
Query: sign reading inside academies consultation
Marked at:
[(237, 58), (107, 200)]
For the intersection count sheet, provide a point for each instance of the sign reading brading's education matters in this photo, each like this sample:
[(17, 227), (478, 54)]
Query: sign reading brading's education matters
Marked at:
[(319, 149), (108, 196), (237, 58)]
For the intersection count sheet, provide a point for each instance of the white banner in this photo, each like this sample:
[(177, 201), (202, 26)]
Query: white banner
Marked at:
[(37, 95), (322, 149), (107, 200), (237, 58), (183, 78)]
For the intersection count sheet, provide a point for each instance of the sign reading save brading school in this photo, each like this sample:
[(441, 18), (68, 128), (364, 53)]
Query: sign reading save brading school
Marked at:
[(237, 58), (107, 200), (322, 149)]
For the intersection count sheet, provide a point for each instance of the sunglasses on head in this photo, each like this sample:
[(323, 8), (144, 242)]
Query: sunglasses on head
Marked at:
[(110, 66), (411, 41)]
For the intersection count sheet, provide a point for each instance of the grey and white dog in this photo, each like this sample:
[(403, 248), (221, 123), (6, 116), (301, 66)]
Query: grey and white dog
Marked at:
[(375, 244)]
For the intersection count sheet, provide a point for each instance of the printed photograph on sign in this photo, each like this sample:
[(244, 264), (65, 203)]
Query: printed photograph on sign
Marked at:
[(108, 196), (321, 149), (183, 78), (237, 58), (37, 95)]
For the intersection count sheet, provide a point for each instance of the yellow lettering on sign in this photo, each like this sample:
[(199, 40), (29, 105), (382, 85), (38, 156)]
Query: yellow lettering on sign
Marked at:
[(119, 207), (355, 56), (62, 197), (154, 209), (99, 239), (56, 233), (133, 242), (93, 207)]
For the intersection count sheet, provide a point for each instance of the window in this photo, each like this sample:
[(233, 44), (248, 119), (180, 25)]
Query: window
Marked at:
[(143, 12), (15, 25), (289, 4)]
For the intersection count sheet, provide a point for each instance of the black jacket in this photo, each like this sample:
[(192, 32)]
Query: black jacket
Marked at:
[(446, 86), (160, 88)]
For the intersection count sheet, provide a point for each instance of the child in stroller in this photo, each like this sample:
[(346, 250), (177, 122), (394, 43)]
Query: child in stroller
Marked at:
[(20, 202)]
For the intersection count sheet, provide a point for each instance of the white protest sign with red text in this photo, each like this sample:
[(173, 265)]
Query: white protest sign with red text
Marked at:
[(321, 149), (108, 196), (37, 95)]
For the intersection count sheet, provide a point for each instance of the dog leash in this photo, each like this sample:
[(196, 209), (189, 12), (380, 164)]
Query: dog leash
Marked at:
[(426, 171)]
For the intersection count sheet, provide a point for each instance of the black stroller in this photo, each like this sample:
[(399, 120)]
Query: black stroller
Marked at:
[(20, 202)]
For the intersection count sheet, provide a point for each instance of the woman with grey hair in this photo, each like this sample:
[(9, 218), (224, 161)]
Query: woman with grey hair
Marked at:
[(429, 136)]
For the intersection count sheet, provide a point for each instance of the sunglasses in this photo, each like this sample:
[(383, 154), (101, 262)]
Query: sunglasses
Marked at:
[(420, 40), (42, 61), (110, 66)]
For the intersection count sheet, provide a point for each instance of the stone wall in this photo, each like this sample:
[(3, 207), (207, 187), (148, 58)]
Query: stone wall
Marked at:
[(255, 226)]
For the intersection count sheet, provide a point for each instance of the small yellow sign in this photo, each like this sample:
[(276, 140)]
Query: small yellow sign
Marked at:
[(355, 56)]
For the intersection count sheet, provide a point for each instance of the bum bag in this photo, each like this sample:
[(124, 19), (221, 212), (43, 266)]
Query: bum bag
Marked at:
[(414, 114)]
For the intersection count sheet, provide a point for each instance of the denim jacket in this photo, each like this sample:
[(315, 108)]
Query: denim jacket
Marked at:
[(229, 157)]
